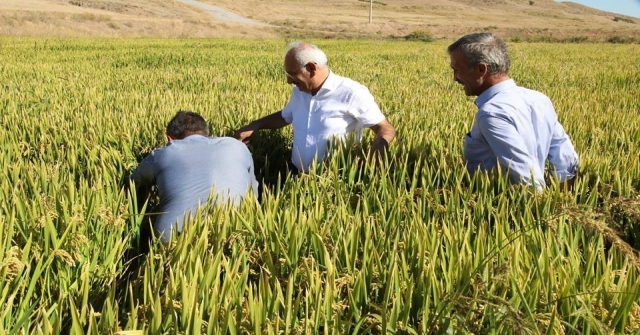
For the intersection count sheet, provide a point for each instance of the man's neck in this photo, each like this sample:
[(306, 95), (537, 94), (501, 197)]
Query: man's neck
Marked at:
[(322, 78), (497, 79), (494, 80)]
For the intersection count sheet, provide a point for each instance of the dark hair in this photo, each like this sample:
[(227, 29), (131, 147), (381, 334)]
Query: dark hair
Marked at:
[(187, 123), (483, 48)]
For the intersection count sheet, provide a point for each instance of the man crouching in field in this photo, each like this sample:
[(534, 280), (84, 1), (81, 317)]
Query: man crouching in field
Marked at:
[(515, 128), (189, 168)]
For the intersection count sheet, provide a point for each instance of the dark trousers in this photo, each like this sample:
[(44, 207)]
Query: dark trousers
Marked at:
[(292, 169)]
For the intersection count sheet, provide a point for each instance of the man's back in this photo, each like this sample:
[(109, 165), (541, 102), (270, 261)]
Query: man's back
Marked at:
[(187, 170), (521, 128)]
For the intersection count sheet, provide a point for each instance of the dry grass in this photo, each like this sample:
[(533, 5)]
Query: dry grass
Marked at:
[(331, 18), (335, 18)]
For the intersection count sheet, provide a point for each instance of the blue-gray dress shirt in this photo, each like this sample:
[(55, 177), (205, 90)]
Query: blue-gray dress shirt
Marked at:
[(518, 129), (188, 170)]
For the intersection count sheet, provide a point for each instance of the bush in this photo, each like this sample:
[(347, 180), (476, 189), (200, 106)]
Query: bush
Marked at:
[(420, 35), (623, 19), (621, 40), (577, 39)]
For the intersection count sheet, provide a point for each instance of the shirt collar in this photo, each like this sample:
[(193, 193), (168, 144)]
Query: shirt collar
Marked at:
[(493, 90), (331, 83), (193, 137)]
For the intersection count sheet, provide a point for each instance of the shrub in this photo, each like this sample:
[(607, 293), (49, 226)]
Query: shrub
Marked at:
[(623, 19), (621, 40), (420, 35), (516, 39), (577, 39)]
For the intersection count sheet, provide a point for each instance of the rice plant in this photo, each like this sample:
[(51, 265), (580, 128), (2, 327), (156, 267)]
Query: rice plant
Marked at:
[(414, 245)]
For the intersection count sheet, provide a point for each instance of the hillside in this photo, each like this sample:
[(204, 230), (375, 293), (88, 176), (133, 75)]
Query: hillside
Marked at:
[(305, 18)]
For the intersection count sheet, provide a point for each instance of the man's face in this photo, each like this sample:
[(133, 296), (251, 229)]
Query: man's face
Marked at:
[(469, 77), (297, 75)]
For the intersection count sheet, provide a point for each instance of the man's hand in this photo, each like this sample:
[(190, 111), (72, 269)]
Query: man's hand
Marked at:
[(378, 148), (385, 134), (567, 185), (273, 121), (244, 134)]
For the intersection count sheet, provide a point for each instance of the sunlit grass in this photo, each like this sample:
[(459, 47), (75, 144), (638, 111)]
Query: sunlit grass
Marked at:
[(415, 245)]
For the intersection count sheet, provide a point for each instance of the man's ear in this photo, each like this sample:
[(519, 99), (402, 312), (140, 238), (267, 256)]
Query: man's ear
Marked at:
[(170, 138), (311, 68), (483, 69)]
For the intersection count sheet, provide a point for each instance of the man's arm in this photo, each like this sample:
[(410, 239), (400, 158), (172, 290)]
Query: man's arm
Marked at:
[(563, 158), (143, 178), (385, 133), (367, 112), (273, 121)]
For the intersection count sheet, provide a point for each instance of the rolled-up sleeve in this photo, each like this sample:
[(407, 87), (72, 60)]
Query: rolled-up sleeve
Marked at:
[(562, 155), (144, 176), (364, 108), (287, 111)]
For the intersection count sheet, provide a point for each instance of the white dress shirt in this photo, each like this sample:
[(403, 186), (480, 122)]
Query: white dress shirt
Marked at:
[(518, 129), (340, 107)]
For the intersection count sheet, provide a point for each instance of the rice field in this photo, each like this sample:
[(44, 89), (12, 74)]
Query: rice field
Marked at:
[(413, 246)]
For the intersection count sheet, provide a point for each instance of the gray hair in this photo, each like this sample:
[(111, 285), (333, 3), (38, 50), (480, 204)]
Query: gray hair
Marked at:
[(483, 48), (305, 53)]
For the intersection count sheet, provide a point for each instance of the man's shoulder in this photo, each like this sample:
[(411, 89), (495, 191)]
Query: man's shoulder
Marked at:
[(349, 84), (226, 140), (501, 105), (515, 95), (199, 143), (223, 140), (348, 90), (514, 100), (229, 142), (529, 92)]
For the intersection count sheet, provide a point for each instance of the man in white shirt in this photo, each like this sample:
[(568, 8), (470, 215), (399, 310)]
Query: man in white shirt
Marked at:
[(323, 106), (515, 128)]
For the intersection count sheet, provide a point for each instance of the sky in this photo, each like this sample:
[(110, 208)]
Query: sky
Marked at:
[(626, 7)]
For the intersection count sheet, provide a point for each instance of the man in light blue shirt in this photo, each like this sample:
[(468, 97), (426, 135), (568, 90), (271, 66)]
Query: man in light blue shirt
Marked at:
[(191, 169), (515, 128)]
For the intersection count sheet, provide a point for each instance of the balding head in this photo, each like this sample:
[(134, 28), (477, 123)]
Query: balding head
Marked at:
[(304, 53), (306, 67)]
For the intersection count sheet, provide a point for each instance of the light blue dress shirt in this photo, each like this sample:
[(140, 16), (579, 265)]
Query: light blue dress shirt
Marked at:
[(518, 129)]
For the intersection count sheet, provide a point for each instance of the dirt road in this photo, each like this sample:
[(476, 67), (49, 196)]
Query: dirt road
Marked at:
[(223, 15)]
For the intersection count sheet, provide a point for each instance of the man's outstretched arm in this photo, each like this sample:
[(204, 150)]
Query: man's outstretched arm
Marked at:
[(273, 121)]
